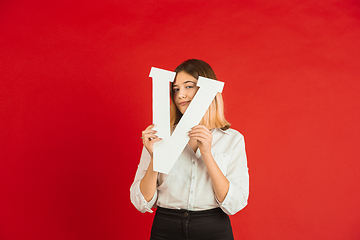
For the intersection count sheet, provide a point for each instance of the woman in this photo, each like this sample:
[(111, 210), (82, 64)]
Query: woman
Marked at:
[(208, 182)]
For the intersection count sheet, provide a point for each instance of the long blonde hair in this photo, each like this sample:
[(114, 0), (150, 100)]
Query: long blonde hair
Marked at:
[(214, 116)]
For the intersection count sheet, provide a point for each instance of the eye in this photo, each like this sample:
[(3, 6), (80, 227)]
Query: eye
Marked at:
[(189, 86), (175, 89)]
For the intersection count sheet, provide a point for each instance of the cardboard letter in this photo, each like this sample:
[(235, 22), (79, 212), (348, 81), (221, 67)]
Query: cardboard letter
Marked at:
[(161, 101), (168, 150)]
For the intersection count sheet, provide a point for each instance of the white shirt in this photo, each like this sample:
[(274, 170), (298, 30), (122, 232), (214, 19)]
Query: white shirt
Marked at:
[(188, 184)]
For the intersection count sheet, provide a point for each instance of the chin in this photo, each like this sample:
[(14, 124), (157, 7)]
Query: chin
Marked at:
[(183, 111)]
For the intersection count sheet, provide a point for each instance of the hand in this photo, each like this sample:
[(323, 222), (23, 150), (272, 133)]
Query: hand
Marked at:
[(149, 138), (203, 137)]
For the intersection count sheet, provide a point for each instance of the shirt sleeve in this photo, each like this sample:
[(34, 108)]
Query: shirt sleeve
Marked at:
[(136, 197), (238, 176)]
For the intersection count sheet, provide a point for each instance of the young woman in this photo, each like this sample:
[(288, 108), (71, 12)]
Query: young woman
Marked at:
[(210, 179)]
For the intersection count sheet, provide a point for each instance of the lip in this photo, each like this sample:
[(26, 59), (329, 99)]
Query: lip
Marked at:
[(184, 103)]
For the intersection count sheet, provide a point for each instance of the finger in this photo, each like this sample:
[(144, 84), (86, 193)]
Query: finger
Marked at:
[(143, 133), (201, 140), (156, 140), (200, 127), (197, 132), (150, 126), (150, 137), (200, 137), (201, 132), (149, 132)]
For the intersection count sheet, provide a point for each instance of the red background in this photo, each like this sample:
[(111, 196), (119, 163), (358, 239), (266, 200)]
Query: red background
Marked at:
[(75, 96)]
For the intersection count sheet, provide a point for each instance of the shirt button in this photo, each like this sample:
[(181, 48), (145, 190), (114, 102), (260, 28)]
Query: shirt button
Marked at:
[(186, 214)]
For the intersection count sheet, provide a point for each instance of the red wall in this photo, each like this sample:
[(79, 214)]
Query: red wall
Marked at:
[(75, 96)]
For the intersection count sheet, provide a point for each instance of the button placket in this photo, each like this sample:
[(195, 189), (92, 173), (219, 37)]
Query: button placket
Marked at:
[(192, 184)]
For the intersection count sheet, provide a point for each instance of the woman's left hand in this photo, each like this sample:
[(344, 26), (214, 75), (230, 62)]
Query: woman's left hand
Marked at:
[(203, 137)]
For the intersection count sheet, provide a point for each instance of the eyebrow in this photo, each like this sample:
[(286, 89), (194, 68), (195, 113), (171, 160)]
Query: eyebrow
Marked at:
[(190, 82), (185, 83)]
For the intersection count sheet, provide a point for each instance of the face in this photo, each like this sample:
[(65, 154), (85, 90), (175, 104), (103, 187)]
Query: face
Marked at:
[(184, 89)]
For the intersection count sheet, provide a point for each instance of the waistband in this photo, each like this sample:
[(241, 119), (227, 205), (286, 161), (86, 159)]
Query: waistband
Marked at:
[(181, 213)]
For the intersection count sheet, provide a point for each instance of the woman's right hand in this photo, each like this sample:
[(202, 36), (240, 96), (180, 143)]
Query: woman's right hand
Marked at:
[(149, 138)]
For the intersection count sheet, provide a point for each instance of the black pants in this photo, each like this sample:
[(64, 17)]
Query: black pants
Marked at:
[(171, 224)]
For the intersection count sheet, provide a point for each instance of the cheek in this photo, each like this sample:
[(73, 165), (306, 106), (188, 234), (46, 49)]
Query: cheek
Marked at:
[(194, 91), (175, 99), (175, 94)]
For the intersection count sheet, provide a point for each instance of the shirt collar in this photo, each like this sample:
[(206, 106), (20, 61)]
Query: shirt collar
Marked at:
[(223, 131)]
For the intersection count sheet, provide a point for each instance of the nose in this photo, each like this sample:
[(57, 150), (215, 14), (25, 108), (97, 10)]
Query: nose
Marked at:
[(182, 93)]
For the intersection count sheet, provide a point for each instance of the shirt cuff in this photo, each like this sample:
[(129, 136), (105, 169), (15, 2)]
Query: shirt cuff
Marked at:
[(150, 204), (140, 202), (224, 205)]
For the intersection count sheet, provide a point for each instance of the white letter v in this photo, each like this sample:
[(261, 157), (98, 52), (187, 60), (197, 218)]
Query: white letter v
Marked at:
[(168, 150)]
